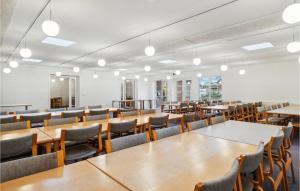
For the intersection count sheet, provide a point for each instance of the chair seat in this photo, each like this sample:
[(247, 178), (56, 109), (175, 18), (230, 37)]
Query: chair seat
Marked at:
[(78, 152), (35, 125), (158, 126), (247, 184)]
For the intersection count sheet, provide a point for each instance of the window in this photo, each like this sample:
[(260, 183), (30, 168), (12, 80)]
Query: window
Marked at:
[(210, 88), (188, 84), (179, 90), (161, 92)]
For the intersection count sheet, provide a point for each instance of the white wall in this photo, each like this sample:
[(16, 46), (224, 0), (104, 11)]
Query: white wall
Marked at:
[(31, 85)]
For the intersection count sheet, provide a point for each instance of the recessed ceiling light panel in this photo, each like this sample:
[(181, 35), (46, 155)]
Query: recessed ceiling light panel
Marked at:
[(58, 41), (168, 61), (31, 60), (259, 46)]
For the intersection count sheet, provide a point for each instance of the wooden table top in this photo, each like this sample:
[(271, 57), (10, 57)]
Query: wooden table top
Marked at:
[(240, 131), (218, 107), (54, 131), (173, 163), (288, 110), (41, 136), (81, 176)]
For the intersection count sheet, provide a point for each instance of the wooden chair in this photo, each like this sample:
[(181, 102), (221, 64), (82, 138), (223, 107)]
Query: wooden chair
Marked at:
[(239, 113), (129, 113), (36, 120), (15, 126), (147, 111), (158, 122), (18, 147), (246, 115), (27, 111), (79, 148), (230, 114), (188, 117), (251, 112), (95, 107), (26, 166), (95, 117), (120, 143), (217, 119), (76, 113), (55, 109), (166, 132), (76, 108), (8, 119), (230, 181), (197, 124), (99, 112), (61, 121), (117, 129), (183, 107)]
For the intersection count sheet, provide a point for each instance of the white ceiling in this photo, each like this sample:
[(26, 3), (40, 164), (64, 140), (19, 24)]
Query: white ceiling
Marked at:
[(218, 34)]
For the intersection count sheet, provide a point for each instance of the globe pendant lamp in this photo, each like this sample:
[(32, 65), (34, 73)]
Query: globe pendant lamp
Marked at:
[(50, 27), (291, 13)]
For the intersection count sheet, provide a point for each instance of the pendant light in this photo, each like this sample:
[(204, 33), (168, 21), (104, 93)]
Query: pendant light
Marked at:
[(294, 46), (58, 74), (145, 79), (197, 61), (116, 73), (224, 68), (177, 72), (101, 62), (95, 76), (25, 52), (76, 69), (149, 50), (50, 27), (291, 13), (199, 75), (13, 64), (6, 70), (147, 68), (242, 72), (137, 76), (168, 77)]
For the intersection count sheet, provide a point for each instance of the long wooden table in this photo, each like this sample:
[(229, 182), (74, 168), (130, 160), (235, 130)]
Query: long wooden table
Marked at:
[(292, 111), (173, 163), (240, 131), (76, 177), (16, 105)]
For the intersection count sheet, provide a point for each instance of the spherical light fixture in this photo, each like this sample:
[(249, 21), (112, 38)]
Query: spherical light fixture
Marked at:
[(242, 72), (123, 78), (116, 73), (137, 76), (53, 80), (76, 69), (101, 62), (147, 68), (293, 47), (6, 70), (50, 28), (25, 52), (58, 74), (168, 77), (224, 68), (145, 79), (61, 79), (149, 50), (95, 76), (13, 64), (177, 72), (291, 13), (199, 75), (197, 61)]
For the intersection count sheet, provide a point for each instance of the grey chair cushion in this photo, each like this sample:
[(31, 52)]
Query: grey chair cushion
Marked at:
[(188, 117), (16, 147), (7, 119), (13, 126), (123, 127), (76, 108), (129, 113), (198, 124), (55, 109), (22, 167), (128, 141), (81, 134), (277, 141), (225, 183), (252, 161), (79, 151), (217, 119), (159, 122), (247, 185), (287, 131), (167, 132), (95, 117), (61, 121), (98, 111), (148, 111), (95, 107), (27, 111), (36, 117), (76, 113)]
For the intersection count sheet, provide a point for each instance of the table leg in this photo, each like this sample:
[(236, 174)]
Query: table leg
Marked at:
[(47, 147), (267, 118), (56, 145)]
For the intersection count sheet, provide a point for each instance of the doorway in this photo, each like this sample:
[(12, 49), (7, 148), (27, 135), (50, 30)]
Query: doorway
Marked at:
[(128, 92)]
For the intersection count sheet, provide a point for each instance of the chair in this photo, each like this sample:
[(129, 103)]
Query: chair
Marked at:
[(271, 161), (18, 147), (36, 120), (239, 113), (8, 119), (158, 122), (166, 132), (183, 107), (80, 148), (129, 113), (61, 121), (230, 113), (27, 166), (77, 113), (14, 126), (95, 107), (76, 108), (147, 111), (94, 117), (188, 117), (55, 110), (27, 111), (227, 183), (99, 112), (120, 143), (197, 124), (251, 112), (253, 165), (121, 128), (3, 112), (217, 119), (246, 112)]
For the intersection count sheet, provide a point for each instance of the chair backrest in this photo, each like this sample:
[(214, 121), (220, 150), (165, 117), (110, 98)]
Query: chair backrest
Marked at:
[(76, 108), (14, 126), (120, 143), (95, 107), (227, 182), (7, 119), (27, 111), (287, 132), (197, 124), (3, 112), (158, 122), (77, 113), (277, 141), (60, 121), (279, 105), (129, 113), (166, 132), (55, 109), (253, 160), (26, 166), (18, 146), (121, 127), (95, 117), (189, 117), (218, 119), (274, 106), (36, 118), (147, 111), (99, 111)]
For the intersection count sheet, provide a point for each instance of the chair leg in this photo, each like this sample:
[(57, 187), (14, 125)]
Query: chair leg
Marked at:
[(293, 173)]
